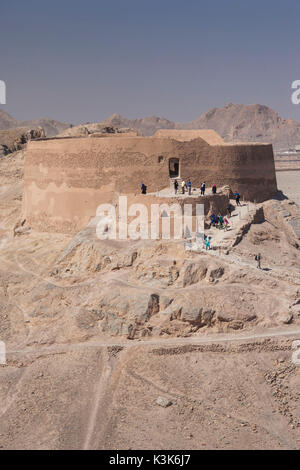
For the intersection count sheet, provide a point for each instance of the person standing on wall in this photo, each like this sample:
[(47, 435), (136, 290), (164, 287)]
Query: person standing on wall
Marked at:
[(203, 189), (175, 187), (143, 188), (189, 186), (183, 186), (214, 188)]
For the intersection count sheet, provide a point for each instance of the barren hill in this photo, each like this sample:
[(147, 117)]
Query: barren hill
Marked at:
[(233, 122), (12, 140), (50, 126), (97, 129), (144, 345), (252, 122), (7, 121), (146, 126)]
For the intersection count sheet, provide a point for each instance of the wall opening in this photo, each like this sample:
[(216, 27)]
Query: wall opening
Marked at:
[(174, 167)]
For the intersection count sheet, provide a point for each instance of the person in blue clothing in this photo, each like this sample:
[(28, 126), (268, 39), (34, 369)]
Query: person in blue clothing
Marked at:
[(189, 186), (237, 198), (143, 188), (220, 221), (212, 220), (207, 243)]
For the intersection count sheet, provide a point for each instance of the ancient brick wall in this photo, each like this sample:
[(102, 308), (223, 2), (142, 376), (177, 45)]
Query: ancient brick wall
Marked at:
[(66, 179)]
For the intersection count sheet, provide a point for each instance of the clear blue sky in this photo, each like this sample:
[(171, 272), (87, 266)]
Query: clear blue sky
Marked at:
[(84, 60)]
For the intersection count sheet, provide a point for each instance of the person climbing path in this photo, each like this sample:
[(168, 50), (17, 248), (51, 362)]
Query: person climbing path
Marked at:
[(237, 198), (207, 243), (258, 260)]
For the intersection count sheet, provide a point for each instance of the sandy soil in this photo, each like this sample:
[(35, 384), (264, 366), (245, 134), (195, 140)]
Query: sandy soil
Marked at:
[(211, 333), (233, 395), (289, 183)]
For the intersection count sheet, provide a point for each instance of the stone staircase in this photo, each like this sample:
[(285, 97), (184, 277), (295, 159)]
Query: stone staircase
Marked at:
[(239, 224)]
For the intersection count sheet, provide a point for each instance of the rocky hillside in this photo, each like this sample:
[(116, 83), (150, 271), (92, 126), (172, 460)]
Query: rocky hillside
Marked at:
[(12, 140), (7, 121), (147, 126), (249, 122), (50, 126), (95, 129), (233, 122), (142, 344)]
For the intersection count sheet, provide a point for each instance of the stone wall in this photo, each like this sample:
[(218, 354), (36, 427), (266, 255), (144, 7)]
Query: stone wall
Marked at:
[(66, 179)]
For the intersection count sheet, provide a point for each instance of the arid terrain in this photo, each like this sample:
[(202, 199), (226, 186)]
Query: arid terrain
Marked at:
[(233, 122), (289, 182), (50, 126), (135, 345)]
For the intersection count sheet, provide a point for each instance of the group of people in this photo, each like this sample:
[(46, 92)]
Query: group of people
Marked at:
[(219, 221), (184, 186), (187, 186)]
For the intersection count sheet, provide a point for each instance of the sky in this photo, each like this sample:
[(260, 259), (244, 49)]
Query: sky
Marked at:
[(79, 61)]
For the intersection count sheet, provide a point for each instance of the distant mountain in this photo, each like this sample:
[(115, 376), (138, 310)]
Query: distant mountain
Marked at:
[(234, 122), (7, 121), (147, 126), (254, 123), (50, 126)]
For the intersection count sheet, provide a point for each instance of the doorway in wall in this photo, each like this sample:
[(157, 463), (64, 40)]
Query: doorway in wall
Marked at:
[(174, 167)]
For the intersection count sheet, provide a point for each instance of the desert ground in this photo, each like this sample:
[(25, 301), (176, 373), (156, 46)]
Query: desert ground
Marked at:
[(289, 183), (147, 345)]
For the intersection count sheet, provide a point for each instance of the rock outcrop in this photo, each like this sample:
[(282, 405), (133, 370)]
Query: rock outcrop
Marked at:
[(96, 130), (50, 126), (13, 140)]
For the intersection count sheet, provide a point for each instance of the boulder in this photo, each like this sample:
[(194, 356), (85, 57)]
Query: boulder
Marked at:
[(163, 401)]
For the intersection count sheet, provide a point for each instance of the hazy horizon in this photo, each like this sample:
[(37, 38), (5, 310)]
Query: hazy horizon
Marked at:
[(78, 62)]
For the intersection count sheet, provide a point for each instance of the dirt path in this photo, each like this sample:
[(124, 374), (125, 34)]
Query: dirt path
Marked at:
[(210, 339), (100, 391)]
